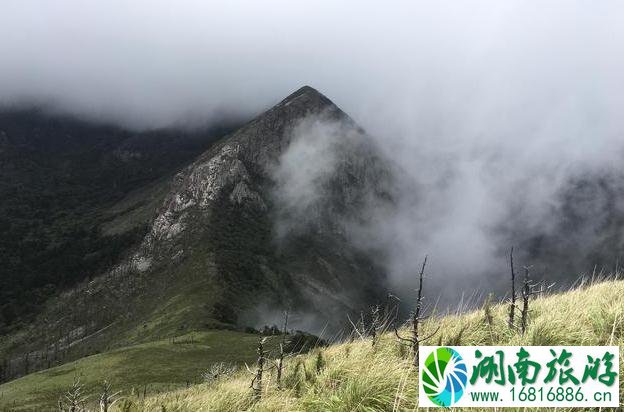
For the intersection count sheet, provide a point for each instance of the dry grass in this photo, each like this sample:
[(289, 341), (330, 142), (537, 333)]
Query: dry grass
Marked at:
[(359, 377)]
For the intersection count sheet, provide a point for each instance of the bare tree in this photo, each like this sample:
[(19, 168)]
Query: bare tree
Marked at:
[(362, 324), (73, 400), (381, 320), (512, 306), (415, 340), (280, 360), (529, 289), (256, 382), (108, 398)]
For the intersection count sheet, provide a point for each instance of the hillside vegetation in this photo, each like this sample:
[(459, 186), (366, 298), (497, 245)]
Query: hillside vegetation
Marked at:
[(146, 368), (75, 195), (357, 376)]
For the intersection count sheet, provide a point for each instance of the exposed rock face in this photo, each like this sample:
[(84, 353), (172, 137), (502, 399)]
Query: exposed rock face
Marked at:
[(240, 169)]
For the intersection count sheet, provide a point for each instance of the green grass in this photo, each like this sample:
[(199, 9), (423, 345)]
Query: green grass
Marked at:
[(359, 377), (156, 366)]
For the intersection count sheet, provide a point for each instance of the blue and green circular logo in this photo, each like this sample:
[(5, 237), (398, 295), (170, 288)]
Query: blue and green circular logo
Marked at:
[(444, 376)]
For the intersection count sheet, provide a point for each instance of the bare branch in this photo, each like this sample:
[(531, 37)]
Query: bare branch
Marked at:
[(429, 336), (396, 332)]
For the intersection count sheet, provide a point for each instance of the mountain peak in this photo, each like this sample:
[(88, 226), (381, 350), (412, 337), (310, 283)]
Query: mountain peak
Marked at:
[(307, 95), (306, 90)]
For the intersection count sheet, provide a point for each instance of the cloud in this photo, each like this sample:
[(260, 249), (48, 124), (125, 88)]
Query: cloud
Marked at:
[(304, 170), (151, 63), (490, 109)]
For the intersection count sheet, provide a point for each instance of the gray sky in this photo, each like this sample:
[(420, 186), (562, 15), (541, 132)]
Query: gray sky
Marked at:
[(154, 62), (489, 105)]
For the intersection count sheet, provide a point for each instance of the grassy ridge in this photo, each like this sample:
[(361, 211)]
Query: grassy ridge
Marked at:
[(155, 366), (358, 377)]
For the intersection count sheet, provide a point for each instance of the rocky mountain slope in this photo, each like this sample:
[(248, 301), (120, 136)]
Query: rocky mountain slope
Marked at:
[(220, 253), (61, 181)]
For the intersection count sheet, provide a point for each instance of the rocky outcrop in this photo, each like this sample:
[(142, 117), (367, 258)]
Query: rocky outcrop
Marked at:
[(240, 168)]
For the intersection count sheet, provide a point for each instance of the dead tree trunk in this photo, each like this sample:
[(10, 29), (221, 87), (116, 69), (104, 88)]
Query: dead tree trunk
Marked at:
[(260, 370), (104, 397), (526, 294), (528, 290), (362, 324), (512, 306), (280, 361), (107, 397), (416, 317), (415, 339), (256, 383), (74, 399)]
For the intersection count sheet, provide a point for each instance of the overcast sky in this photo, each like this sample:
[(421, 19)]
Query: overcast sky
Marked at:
[(477, 100), (154, 62)]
